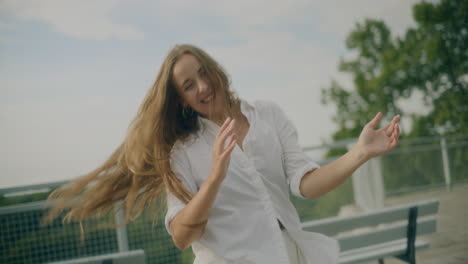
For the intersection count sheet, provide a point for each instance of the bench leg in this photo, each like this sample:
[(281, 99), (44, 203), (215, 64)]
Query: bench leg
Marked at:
[(381, 261), (410, 255)]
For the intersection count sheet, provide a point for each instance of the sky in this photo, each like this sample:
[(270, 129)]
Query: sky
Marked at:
[(73, 73)]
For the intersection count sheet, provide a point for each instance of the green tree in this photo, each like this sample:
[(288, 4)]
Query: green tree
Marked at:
[(431, 58)]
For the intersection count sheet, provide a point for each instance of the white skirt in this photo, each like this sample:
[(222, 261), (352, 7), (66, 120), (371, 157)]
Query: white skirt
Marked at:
[(294, 254)]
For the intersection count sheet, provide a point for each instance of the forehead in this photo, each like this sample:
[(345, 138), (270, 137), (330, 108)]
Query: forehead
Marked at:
[(185, 68)]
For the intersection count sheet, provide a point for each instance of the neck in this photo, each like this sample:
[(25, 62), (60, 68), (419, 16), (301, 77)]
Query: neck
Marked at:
[(219, 118)]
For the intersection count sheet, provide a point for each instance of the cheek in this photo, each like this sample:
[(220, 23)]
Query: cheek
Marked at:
[(193, 102), (190, 98)]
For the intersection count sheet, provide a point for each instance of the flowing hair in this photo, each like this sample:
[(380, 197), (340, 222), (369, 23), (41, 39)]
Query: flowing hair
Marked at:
[(138, 174)]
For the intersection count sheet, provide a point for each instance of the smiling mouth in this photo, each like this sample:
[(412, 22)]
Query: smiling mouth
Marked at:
[(207, 99)]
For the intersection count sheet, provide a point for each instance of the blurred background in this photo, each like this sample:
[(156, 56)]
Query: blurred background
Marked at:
[(73, 73)]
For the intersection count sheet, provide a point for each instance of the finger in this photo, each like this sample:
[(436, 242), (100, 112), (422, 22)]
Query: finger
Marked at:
[(232, 138), (375, 121), (395, 130), (395, 136), (222, 134), (225, 125), (390, 127), (228, 142), (230, 147), (227, 131)]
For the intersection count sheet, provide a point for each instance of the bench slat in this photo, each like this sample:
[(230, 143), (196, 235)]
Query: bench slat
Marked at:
[(390, 233), (378, 251), (334, 225)]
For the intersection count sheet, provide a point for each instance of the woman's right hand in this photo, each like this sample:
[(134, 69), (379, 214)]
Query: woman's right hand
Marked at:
[(189, 224), (221, 150)]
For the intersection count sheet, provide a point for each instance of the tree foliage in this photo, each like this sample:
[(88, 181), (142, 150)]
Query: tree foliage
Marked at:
[(431, 58)]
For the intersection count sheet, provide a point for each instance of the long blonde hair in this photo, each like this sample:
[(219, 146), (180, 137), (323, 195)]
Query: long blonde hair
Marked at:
[(138, 173)]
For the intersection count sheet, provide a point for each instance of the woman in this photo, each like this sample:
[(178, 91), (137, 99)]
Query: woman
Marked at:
[(226, 166)]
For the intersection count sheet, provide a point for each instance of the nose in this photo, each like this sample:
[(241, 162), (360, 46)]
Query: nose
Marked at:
[(202, 86)]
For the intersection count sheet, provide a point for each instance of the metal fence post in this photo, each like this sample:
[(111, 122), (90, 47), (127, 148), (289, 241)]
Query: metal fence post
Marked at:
[(446, 164), (122, 238)]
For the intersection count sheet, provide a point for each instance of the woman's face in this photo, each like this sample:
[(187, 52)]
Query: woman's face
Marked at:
[(193, 87)]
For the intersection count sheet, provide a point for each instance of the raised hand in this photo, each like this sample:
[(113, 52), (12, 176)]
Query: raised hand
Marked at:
[(376, 142), (221, 150)]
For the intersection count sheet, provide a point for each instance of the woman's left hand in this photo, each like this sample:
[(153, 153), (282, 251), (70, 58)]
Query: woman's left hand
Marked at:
[(376, 142)]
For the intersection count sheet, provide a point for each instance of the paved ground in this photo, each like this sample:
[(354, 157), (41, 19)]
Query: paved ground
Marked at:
[(449, 245)]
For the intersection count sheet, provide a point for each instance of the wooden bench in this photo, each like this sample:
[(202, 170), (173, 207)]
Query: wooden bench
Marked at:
[(134, 257), (382, 233)]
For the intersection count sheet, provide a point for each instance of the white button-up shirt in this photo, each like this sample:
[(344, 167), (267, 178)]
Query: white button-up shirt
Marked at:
[(243, 222)]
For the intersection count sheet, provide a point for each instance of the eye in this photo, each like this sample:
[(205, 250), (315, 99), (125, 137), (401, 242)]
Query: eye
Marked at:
[(189, 86)]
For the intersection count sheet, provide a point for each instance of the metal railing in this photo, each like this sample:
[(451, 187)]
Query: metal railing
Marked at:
[(431, 162), (23, 240)]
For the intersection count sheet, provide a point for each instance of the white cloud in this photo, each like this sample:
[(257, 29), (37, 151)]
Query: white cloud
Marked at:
[(80, 19), (240, 13), (92, 19), (335, 17)]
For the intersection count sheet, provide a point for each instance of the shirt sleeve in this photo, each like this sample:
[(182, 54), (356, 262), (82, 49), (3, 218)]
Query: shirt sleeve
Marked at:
[(295, 162), (181, 167)]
